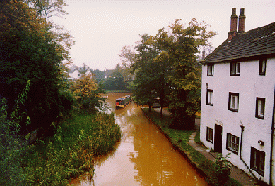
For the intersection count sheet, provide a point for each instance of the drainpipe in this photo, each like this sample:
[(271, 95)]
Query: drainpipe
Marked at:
[(241, 145), (241, 158), (272, 143)]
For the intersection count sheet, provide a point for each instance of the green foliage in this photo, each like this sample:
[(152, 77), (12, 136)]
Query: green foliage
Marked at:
[(115, 81), (149, 70), (86, 92), (46, 8), (12, 149), (217, 173), (166, 67), (182, 46), (222, 169), (99, 75), (71, 150), (30, 51), (127, 57)]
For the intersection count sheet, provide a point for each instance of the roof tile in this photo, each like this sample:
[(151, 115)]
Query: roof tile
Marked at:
[(256, 42)]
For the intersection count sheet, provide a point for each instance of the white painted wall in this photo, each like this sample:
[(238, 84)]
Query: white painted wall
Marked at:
[(74, 75), (249, 85), (77, 75)]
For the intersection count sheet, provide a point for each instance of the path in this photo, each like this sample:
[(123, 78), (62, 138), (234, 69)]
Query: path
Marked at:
[(235, 172)]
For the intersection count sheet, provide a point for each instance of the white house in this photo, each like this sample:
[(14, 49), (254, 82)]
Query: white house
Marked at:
[(75, 72), (237, 98)]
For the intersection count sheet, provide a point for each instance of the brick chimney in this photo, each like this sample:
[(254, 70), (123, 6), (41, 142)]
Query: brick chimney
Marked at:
[(241, 27), (233, 24)]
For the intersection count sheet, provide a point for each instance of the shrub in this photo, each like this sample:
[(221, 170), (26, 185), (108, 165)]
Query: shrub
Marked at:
[(12, 149), (86, 93), (221, 169), (71, 150)]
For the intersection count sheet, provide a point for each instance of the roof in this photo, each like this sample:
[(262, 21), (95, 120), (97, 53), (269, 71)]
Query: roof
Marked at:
[(246, 46)]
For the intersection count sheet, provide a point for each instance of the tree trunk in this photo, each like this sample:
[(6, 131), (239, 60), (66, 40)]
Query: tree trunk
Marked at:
[(150, 108)]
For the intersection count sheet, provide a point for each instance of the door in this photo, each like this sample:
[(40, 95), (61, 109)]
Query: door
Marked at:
[(218, 139)]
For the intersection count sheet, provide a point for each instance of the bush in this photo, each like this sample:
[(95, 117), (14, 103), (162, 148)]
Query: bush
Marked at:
[(71, 150), (86, 92), (221, 170), (12, 149)]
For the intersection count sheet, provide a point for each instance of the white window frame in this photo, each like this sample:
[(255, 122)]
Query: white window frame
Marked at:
[(260, 108), (210, 69), (209, 97), (209, 134), (257, 160), (232, 143), (233, 103), (235, 68), (262, 66)]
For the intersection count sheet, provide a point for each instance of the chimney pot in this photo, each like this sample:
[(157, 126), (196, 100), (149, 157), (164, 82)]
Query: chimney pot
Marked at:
[(242, 11), (241, 27), (233, 24), (233, 11)]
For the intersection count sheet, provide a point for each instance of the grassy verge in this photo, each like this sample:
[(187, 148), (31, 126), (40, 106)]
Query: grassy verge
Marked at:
[(180, 139), (71, 150)]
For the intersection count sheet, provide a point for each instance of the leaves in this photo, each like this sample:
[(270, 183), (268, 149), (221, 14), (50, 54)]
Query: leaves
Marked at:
[(86, 92), (29, 50), (166, 65)]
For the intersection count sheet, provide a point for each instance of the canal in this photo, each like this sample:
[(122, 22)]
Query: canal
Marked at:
[(144, 156)]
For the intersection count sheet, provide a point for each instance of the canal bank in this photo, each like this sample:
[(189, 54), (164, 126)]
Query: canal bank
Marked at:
[(199, 156), (144, 156)]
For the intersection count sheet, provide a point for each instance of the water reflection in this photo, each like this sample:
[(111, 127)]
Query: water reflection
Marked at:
[(143, 156)]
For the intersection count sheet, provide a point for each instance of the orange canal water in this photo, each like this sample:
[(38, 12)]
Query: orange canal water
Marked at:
[(144, 156)]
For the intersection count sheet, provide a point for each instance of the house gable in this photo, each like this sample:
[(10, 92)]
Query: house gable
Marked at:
[(246, 46), (237, 95)]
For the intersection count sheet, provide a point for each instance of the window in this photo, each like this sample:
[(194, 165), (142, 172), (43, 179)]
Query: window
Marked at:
[(233, 103), (232, 143), (209, 97), (235, 69), (257, 160), (260, 105), (262, 67), (209, 134), (210, 69)]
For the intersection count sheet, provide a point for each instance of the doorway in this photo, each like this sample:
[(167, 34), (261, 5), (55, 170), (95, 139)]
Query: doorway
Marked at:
[(218, 139)]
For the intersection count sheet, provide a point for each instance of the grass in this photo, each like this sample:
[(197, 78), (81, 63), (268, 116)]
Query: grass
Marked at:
[(180, 139), (70, 152)]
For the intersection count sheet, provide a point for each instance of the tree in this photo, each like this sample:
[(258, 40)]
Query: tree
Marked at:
[(29, 51), (86, 92), (99, 75), (128, 59), (146, 71), (166, 66), (115, 81), (83, 70), (46, 8), (181, 45)]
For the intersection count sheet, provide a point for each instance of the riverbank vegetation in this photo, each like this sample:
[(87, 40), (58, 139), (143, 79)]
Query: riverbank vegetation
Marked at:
[(216, 173), (53, 160), (71, 151), (166, 69), (51, 128)]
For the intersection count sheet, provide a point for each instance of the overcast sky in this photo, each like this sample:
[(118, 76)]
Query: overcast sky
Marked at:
[(102, 27)]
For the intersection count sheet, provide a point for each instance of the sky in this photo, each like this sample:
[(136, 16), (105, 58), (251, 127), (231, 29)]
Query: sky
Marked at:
[(100, 28)]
